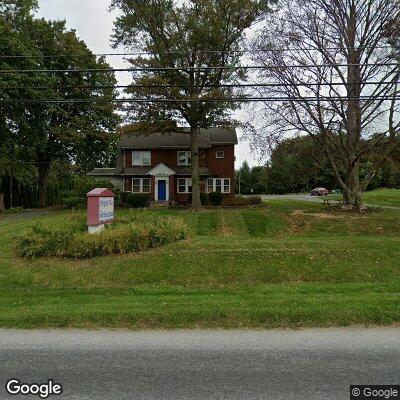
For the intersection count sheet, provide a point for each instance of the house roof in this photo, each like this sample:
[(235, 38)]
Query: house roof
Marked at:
[(207, 137), (104, 172)]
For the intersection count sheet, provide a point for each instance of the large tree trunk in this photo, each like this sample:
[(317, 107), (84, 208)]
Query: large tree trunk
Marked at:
[(352, 195), (194, 148), (353, 190), (44, 169)]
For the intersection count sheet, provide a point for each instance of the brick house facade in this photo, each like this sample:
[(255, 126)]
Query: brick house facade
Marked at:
[(159, 164)]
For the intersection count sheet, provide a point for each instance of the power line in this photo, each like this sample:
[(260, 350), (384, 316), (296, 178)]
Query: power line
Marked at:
[(194, 69), (204, 100), (143, 53), (98, 87)]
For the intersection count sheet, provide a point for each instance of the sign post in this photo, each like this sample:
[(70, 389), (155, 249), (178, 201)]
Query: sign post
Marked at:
[(100, 209)]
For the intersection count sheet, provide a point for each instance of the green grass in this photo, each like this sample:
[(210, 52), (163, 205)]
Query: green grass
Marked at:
[(286, 264), (379, 197), (383, 197)]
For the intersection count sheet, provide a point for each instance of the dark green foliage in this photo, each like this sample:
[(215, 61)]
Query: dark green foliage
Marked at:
[(215, 198), (81, 186), (40, 133), (72, 202), (26, 192), (71, 240), (203, 198), (297, 165), (137, 200)]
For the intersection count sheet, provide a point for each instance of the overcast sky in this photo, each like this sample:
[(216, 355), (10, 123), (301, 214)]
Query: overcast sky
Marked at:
[(93, 24)]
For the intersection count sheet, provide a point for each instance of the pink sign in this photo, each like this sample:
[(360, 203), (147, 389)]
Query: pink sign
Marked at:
[(100, 209)]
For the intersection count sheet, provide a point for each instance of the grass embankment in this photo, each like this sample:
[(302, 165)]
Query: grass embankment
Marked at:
[(378, 197), (288, 264)]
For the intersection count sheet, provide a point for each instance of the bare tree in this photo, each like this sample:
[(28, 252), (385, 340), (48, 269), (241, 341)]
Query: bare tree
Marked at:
[(332, 61)]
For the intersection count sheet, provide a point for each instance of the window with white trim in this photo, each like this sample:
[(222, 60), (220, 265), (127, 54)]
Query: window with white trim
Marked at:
[(184, 185), (141, 158), (220, 154), (184, 158), (141, 185), (222, 185)]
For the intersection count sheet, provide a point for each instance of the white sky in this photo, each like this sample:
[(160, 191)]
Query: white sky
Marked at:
[(93, 24)]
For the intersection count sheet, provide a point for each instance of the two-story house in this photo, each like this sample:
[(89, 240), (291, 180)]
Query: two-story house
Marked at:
[(160, 164)]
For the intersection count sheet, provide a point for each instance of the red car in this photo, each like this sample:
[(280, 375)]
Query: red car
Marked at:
[(319, 192)]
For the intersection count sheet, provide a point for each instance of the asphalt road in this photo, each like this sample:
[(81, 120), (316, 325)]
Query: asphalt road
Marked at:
[(309, 364)]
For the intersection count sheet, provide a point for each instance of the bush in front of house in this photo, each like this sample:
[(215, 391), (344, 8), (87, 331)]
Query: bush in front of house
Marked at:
[(215, 198), (69, 240), (241, 201), (74, 202), (136, 200), (81, 186), (203, 198)]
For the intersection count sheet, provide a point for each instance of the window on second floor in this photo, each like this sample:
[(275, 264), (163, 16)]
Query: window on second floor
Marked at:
[(140, 158), (184, 157), (184, 185)]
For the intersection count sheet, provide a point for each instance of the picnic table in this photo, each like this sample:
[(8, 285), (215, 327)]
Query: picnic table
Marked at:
[(328, 202)]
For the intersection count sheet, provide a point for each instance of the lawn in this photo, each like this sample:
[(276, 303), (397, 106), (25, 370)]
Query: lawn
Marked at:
[(288, 264), (379, 197)]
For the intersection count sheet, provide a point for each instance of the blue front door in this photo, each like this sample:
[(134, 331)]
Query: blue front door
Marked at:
[(162, 190)]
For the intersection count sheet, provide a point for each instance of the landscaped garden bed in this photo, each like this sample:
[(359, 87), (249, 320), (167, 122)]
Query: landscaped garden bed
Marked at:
[(70, 238)]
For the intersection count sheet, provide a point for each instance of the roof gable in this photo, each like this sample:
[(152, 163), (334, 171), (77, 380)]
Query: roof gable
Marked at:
[(161, 170), (181, 139)]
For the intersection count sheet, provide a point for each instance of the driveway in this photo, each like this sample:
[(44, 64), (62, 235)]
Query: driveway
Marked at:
[(26, 214), (313, 199), (298, 197), (280, 364)]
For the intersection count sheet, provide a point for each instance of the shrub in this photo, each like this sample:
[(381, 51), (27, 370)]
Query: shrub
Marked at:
[(241, 201), (74, 202), (255, 200), (136, 200), (84, 184), (46, 240), (76, 197), (215, 198), (203, 198), (72, 241)]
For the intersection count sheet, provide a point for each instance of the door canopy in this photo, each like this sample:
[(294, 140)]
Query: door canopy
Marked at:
[(161, 170)]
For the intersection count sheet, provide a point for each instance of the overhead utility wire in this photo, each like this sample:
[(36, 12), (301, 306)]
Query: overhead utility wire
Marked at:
[(204, 100), (155, 69), (95, 87), (142, 53)]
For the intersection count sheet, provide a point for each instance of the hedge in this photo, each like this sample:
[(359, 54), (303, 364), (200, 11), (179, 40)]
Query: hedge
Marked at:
[(71, 240)]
